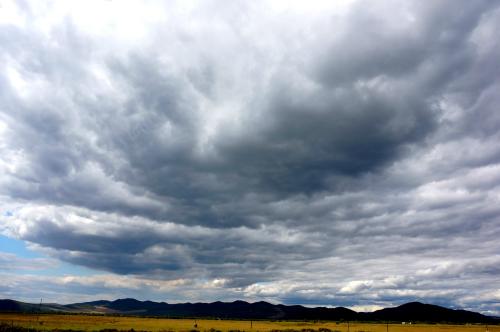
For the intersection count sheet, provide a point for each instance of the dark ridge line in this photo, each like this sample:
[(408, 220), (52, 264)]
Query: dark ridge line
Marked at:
[(408, 312)]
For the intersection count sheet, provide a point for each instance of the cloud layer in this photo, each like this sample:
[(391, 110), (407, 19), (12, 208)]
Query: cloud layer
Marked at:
[(334, 155)]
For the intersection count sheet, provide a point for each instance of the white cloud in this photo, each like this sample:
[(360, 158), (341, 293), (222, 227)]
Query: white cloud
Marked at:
[(319, 153)]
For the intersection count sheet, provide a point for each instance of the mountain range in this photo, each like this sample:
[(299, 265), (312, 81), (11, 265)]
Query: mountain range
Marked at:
[(409, 312)]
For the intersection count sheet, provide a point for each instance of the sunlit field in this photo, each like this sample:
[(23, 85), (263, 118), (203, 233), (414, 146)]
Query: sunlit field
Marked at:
[(96, 323)]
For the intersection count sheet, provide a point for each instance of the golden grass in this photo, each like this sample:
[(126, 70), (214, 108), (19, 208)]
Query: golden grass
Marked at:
[(96, 323)]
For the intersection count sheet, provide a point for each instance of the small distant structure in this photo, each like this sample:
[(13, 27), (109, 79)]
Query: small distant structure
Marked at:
[(39, 310)]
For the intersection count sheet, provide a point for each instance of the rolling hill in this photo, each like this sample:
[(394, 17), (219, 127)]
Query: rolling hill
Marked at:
[(413, 311)]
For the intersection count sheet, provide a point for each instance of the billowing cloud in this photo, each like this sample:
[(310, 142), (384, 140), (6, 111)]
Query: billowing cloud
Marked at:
[(340, 155)]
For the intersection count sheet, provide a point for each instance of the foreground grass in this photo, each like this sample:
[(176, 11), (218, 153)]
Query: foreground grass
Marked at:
[(97, 323)]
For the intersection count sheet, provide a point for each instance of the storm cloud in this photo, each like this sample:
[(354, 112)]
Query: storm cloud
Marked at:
[(335, 154)]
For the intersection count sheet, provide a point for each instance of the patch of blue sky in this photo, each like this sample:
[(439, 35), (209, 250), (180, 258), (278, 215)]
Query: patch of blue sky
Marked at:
[(70, 269), (17, 247), (20, 249)]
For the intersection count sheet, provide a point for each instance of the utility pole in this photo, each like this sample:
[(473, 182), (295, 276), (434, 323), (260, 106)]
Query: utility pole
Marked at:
[(39, 310), (387, 327)]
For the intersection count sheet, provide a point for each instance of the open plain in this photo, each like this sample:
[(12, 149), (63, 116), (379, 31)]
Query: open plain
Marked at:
[(98, 322)]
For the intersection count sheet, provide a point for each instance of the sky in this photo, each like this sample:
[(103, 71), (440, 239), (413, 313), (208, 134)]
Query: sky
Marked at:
[(324, 153)]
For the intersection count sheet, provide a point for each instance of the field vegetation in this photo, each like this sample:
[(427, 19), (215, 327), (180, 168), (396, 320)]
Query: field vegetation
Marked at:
[(46, 322)]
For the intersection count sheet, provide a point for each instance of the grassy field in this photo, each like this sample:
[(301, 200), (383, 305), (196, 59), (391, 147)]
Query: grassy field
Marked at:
[(96, 323)]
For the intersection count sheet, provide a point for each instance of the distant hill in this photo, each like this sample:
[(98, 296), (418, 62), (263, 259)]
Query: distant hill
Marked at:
[(416, 311), (10, 305), (409, 312)]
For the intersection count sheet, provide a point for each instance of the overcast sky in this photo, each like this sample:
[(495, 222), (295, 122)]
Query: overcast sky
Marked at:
[(303, 152)]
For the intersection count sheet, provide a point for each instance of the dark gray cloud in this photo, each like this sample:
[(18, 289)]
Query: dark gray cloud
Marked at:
[(244, 148)]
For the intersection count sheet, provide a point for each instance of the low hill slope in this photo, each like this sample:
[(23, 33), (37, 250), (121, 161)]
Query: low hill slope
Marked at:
[(411, 312)]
